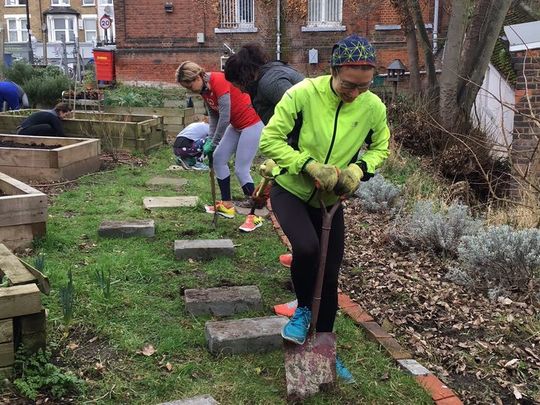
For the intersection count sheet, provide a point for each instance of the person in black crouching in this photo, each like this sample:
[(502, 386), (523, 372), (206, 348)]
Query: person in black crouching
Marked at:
[(47, 122)]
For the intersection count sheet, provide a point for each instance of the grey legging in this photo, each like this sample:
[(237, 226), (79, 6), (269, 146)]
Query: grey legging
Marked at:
[(242, 143)]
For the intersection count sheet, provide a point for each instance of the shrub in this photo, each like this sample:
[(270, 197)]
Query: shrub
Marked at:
[(47, 90), (140, 96), (437, 230), (378, 194), (38, 373), (19, 72), (501, 257)]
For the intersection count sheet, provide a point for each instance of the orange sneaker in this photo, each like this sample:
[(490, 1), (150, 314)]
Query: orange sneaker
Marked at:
[(286, 259), (286, 309), (221, 210), (252, 222)]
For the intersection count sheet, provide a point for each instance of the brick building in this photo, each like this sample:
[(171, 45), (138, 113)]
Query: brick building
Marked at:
[(153, 37), (50, 21)]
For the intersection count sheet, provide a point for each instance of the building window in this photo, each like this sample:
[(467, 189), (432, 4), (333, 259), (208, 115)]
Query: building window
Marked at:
[(15, 2), (237, 14), (323, 13), (105, 2), (63, 27), (90, 29), (59, 2), (16, 29), (88, 2)]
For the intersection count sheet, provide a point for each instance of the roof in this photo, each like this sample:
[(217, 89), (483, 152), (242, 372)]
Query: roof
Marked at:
[(61, 10), (501, 59), (523, 36)]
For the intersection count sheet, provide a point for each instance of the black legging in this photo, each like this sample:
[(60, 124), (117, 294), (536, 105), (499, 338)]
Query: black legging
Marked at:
[(302, 224), (38, 129)]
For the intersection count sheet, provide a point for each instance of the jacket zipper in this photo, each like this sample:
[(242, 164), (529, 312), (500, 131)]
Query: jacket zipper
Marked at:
[(331, 145)]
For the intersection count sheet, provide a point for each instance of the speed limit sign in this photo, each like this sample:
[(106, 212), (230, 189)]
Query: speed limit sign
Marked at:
[(105, 22)]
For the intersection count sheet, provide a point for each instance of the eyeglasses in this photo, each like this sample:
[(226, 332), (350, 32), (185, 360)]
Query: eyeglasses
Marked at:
[(352, 86)]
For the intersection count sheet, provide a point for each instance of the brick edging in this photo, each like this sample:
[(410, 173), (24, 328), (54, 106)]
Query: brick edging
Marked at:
[(440, 393)]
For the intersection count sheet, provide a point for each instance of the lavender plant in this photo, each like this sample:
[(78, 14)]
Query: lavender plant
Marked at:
[(378, 194)]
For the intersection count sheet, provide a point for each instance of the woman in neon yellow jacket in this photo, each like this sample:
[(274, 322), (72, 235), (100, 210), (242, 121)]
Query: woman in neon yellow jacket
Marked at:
[(343, 138)]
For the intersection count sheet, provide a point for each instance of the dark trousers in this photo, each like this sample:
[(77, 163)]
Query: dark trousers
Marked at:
[(39, 129), (302, 224)]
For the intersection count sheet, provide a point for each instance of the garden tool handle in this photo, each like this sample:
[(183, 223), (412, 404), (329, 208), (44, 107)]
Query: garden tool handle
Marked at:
[(327, 217)]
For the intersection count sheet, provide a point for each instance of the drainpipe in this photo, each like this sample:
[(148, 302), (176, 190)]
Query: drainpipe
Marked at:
[(435, 25), (278, 30)]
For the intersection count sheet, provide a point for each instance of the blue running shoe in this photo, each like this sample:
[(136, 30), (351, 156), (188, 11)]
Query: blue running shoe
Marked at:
[(343, 372), (297, 328)]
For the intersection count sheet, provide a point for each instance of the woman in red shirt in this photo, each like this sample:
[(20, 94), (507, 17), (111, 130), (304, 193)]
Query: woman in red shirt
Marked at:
[(235, 128)]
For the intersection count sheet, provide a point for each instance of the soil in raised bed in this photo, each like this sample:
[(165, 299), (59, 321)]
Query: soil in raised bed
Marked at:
[(33, 145)]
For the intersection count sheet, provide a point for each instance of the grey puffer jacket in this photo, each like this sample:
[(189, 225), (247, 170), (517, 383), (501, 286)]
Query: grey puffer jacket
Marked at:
[(275, 78)]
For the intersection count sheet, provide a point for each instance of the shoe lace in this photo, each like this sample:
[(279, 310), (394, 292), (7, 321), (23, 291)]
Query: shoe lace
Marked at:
[(302, 315)]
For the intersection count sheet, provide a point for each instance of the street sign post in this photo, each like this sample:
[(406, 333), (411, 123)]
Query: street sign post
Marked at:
[(105, 23)]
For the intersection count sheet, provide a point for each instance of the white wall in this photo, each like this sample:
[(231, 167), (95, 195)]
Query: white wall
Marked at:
[(494, 117)]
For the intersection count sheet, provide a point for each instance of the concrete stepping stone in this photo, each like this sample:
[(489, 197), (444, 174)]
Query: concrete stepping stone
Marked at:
[(166, 181), (202, 400), (223, 301), (263, 212), (203, 248), (413, 367), (125, 229), (250, 335), (151, 203)]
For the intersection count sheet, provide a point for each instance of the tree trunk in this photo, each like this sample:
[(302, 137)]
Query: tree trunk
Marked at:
[(448, 97), (480, 51), (407, 25), (414, 6)]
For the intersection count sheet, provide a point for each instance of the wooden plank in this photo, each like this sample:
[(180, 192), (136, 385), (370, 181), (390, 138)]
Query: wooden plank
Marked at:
[(41, 279), (7, 354), (46, 140), (77, 169), (13, 269), (6, 330), (26, 157), (17, 185), (19, 300), (81, 151), (21, 236)]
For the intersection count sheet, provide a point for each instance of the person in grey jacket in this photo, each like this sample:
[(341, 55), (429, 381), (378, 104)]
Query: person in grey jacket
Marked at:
[(265, 81)]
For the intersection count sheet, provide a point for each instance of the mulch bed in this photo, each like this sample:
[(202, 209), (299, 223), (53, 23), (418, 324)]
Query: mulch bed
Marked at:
[(33, 145), (486, 351)]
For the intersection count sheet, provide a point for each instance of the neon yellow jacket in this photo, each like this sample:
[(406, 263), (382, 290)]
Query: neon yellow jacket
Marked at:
[(331, 132)]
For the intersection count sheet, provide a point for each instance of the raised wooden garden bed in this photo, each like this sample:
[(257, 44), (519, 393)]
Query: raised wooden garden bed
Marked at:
[(23, 213), (174, 118), (118, 132), (48, 158), (22, 318)]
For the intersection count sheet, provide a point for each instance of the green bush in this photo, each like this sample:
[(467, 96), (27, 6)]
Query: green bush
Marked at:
[(134, 96), (44, 86), (38, 374)]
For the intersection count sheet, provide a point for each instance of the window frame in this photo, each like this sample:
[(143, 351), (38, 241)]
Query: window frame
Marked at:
[(88, 5), (87, 17), (323, 24), (63, 3), (20, 28), (229, 23), (19, 4), (52, 31)]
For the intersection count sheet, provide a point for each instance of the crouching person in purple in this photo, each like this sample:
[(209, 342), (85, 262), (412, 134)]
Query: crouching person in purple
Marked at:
[(188, 146)]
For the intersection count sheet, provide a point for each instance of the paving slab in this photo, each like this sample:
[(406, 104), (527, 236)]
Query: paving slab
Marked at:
[(203, 248), (263, 212), (223, 301), (166, 181), (125, 229), (202, 400), (151, 203), (413, 367), (249, 335)]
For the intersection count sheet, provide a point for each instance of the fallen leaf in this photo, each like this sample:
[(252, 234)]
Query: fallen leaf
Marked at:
[(516, 392), (511, 363), (72, 346), (169, 366), (147, 350)]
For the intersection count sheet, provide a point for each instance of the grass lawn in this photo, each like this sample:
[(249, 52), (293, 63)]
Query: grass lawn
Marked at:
[(102, 342)]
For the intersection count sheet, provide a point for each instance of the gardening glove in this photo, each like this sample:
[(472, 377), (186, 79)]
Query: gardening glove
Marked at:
[(325, 176), (208, 147), (266, 169), (348, 180)]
